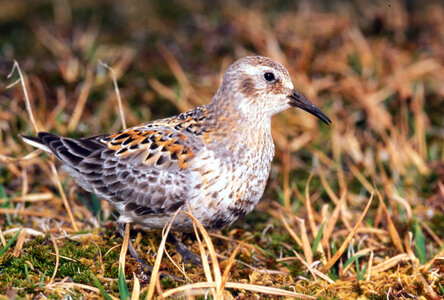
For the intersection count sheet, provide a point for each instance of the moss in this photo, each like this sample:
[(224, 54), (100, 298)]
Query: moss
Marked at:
[(77, 259), (38, 255), (168, 283), (297, 269)]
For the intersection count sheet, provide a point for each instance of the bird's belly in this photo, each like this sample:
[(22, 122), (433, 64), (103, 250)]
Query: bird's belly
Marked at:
[(227, 190)]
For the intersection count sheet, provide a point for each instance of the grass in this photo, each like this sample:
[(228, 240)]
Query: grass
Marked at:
[(351, 210)]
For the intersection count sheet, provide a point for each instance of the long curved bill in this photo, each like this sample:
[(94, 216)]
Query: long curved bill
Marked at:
[(297, 100)]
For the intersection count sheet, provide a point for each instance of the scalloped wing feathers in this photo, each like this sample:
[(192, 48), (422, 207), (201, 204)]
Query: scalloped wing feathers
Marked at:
[(141, 170)]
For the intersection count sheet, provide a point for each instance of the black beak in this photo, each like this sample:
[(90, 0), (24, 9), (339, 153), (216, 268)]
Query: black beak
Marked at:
[(297, 100)]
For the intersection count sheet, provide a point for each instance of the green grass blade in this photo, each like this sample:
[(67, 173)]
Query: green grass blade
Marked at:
[(353, 258), (93, 205), (123, 287), (334, 248), (420, 244), (3, 196), (97, 206), (317, 239), (281, 197), (332, 275), (362, 275), (358, 268), (2, 192), (10, 243), (27, 274), (43, 278), (99, 286)]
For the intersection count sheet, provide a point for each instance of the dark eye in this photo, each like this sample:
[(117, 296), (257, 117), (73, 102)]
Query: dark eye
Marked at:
[(269, 76)]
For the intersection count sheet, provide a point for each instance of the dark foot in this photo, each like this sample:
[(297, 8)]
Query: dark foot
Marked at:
[(187, 255), (146, 269)]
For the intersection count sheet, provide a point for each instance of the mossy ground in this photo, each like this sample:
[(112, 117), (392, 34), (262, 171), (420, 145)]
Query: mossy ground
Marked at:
[(375, 68)]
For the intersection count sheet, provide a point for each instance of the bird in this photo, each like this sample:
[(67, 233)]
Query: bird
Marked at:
[(213, 160)]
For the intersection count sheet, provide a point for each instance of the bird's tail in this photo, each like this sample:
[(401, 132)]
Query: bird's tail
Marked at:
[(70, 151), (35, 142)]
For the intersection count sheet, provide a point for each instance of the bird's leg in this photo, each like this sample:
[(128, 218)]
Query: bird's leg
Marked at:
[(146, 268), (186, 253)]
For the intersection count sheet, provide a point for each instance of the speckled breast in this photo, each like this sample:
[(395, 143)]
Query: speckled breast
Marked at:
[(228, 187)]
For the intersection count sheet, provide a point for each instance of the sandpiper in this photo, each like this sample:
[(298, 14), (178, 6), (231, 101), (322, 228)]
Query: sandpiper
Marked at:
[(214, 159)]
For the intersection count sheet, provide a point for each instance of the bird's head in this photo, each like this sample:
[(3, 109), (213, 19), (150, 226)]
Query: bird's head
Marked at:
[(257, 85)]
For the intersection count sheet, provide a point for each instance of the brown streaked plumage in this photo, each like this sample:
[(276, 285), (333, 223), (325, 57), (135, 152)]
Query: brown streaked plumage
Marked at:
[(215, 157)]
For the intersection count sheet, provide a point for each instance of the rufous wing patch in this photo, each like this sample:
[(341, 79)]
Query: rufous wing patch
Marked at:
[(161, 148)]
